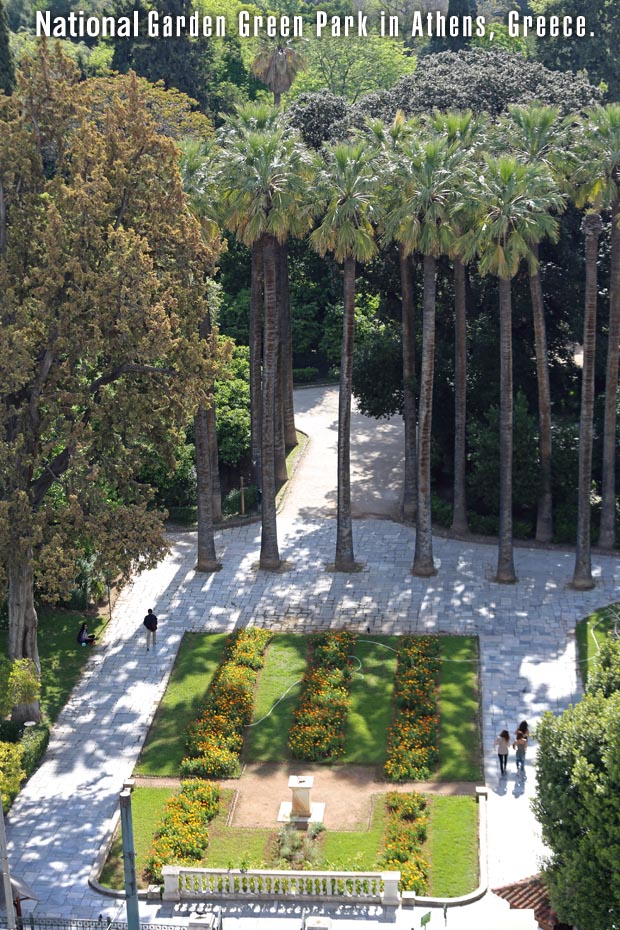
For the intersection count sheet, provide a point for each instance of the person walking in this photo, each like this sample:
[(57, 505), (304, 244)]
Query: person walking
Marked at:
[(502, 744), (520, 745), (150, 624)]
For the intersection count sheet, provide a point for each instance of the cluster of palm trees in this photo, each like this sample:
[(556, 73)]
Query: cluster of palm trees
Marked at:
[(453, 185)]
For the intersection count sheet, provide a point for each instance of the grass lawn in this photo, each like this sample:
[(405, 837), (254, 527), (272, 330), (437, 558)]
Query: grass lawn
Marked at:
[(371, 701), (62, 659), (197, 660), (285, 664), (459, 734), (591, 632), (355, 850), (237, 847), (147, 805), (452, 845)]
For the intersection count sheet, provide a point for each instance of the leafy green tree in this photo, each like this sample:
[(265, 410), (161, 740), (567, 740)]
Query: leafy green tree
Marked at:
[(595, 52), (101, 271), (578, 808), (346, 191), (7, 67), (515, 202)]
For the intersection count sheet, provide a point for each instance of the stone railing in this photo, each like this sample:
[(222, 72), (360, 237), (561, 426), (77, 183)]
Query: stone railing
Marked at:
[(187, 884)]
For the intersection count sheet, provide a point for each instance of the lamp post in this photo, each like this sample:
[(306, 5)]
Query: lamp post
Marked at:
[(6, 876)]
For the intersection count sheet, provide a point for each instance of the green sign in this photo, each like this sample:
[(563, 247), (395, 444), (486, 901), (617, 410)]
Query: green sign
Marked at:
[(426, 919)]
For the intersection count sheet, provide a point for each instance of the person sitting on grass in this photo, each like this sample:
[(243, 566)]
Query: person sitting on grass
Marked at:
[(85, 638)]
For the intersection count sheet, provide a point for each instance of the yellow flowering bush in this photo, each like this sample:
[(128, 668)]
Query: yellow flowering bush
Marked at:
[(405, 832), (182, 836)]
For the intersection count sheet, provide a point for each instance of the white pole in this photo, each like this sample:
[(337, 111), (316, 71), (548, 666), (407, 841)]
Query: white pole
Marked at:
[(6, 876)]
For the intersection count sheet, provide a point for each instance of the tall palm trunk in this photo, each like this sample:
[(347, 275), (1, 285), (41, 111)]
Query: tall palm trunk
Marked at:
[(286, 349), (607, 535), (459, 512), (279, 447), (423, 563), (582, 575), (269, 554), (544, 517), (505, 563), (256, 351), (410, 489), (23, 622), (345, 561), (206, 556), (211, 427)]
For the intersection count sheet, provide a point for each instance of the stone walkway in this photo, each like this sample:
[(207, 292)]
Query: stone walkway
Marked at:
[(528, 665)]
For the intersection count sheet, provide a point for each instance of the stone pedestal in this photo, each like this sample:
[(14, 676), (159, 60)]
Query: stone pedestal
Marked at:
[(301, 809)]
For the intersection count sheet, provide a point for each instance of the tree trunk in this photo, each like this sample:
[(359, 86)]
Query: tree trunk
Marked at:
[(23, 624), (211, 427), (544, 518), (505, 562), (607, 534), (206, 558), (459, 512), (410, 488), (256, 351), (345, 561), (423, 564), (269, 554), (582, 575), (286, 349)]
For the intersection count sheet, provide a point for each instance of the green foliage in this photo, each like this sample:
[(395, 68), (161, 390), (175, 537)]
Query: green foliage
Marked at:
[(305, 375), (183, 836), (33, 744), (578, 807), (483, 478), (19, 683), (314, 115), (7, 66), (604, 676), (377, 371), (231, 504), (11, 772), (232, 404)]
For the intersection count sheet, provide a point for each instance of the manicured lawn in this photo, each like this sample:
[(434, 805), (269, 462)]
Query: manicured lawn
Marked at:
[(591, 632), (355, 850), (452, 845), (371, 700), (62, 659), (147, 805), (285, 664), (197, 660), (459, 736), (236, 847)]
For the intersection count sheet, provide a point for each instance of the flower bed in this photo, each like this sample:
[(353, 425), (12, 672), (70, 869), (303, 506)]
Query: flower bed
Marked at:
[(413, 738), (215, 739), (405, 832), (317, 734), (183, 836)]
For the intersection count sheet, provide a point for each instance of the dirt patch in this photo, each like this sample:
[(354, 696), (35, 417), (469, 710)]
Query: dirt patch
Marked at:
[(345, 790)]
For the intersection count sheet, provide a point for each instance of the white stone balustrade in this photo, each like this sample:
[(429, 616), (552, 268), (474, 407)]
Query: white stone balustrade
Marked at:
[(186, 884)]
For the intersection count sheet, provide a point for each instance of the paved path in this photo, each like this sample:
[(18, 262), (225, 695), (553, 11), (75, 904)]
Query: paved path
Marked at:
[(528, 664)]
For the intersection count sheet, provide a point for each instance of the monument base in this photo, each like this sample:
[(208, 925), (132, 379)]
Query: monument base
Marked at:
[(286, 815)]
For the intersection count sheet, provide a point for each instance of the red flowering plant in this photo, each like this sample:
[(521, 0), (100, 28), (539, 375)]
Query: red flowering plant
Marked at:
[(215, 738), (413, 737), (318, 731)]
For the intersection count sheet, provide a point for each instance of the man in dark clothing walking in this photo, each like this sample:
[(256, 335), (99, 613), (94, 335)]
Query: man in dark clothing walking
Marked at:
[(150, 623)]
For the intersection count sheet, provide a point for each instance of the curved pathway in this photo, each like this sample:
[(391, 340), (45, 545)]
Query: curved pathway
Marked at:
[(528, 664)]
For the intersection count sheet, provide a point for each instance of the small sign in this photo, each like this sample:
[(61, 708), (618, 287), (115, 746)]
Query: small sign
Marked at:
[(426, 919)]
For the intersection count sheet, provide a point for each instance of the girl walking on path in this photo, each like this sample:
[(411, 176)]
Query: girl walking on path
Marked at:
[(520, 744), (502, 744)]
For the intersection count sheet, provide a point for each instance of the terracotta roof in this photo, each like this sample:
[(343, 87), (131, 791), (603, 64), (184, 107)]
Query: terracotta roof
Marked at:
[(531, 893)]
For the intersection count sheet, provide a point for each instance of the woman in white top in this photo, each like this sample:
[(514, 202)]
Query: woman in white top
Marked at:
[(502, 744)]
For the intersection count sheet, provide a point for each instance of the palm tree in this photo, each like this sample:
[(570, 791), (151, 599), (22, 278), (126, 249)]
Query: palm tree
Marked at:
[(387, 141), (262, 179), (423, 222), (197, 173), (346, 188), (277, 65), (537, 134), (514, 201), (602, 187)]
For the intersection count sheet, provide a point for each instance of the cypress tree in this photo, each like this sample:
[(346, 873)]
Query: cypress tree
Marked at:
[(7, 66)]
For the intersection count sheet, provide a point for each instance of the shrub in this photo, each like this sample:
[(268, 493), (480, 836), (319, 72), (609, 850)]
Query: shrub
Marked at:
[(231, 504), (405, 832), (305, 375), (34, 743), (11, 772)]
